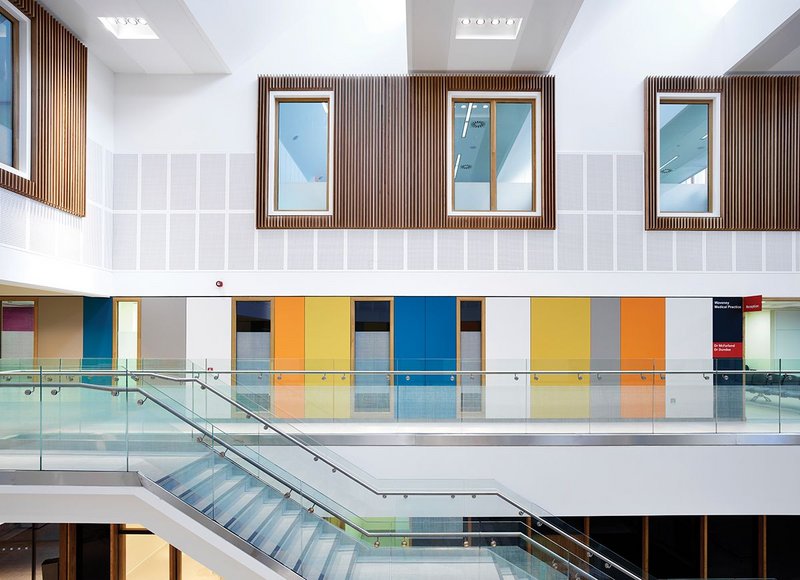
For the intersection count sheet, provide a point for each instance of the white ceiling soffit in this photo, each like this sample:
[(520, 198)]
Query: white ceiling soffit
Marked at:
[(181, 48), (777, 53), (432, 45)]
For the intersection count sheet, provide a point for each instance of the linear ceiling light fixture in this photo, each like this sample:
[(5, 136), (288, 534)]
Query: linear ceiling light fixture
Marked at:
[(128, 28), (488, 28)]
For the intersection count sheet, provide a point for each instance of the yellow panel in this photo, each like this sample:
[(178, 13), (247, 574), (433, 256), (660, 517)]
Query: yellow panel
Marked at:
[(327, 344), (560, 340)]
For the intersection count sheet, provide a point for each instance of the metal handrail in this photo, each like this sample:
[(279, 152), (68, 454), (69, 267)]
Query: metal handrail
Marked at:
[(115, 391)]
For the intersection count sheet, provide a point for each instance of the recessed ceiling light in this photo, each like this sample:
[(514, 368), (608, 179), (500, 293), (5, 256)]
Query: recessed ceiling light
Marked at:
[(495, 21), (128, 27), (510, 22), (480, 21), (465, 21), (475, 29)]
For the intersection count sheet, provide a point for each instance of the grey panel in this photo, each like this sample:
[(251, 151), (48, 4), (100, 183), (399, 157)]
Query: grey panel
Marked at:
[(360, 249), (242, 181), (371, 392), (450, 250), (211, 253), (719, 251), (471, 389), (241, 241), (480, 250), (420, 249), (778, 251), (125, 242), (153, 247), (270, 249), (330, 249), (510, 250), (300, 249), (183, 182), (211, 180), (164, 329), (629, 242), (600, 182), (126, 181), (182, 241), (253, 351), (569, 181), (659, 251), (390, 249), (689, 251), (154, 181), (570, 242), (605, 349), (748, 251), (540, 249), (600, 242), (630, 182)]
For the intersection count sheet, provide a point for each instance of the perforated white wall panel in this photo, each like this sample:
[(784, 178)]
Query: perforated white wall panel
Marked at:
[(600, 182), (540, 250), (569, 181), (211, 242), (300, 249), (182, 241), (480, 250), (126, 241), (689, 251), (510, 250), (778, 251), (154, 182), (629, 242), (659, 251), (126, 181), (600, 242), (570, 242), (719, 251), (630, 182), (153, 248), (211, 176), (420, 249), (360, 249), (242, 181), (748, 251), (241, 241), (330, 249), (271, 245), (391, 249), (450, 250)]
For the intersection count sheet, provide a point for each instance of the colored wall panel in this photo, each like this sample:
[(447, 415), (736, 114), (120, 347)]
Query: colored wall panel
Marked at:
[(688, 347), (289, 329), (438, 401), (208, 346), (560, 340), (642, 347), (605, 393), (61, 328), (508, 347), (409, 351), (327, 347), (98, 328), (163, 331)]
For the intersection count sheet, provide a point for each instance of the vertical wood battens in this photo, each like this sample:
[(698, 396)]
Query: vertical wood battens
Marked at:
[(390, 151), (58, 116), (759, 152)]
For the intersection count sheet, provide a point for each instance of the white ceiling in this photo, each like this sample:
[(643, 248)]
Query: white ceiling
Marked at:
[(777, 53), (432, 45)]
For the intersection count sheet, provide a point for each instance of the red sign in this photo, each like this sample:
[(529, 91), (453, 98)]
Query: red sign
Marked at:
[(728, 350), (752, 303)]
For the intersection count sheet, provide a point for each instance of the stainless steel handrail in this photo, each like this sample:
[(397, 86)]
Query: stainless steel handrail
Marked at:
[(115, 391)]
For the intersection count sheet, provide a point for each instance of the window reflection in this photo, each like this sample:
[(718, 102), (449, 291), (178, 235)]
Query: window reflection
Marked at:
[(472, 156), (7, 39), (684, 156)]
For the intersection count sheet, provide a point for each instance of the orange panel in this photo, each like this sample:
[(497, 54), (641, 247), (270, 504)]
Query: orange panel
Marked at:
[(289, 390), (642, 347)]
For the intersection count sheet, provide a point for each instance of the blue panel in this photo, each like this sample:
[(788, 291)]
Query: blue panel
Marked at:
[(98, 327), (409, 352), (439, 401)]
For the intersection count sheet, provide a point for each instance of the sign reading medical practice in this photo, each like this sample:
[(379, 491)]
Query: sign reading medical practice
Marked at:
[(752, 303), (727, 331)]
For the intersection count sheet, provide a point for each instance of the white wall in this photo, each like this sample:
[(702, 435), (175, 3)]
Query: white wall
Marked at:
[(689, 342), (508, 347), (758, 339), (208, 346)]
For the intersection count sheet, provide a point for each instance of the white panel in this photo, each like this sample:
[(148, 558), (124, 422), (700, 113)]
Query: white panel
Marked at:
[(360, 249), (510, 250), (183, 182), (570, 242), (688, 347), (241, 240), (94, 172), (13, 219), (108, 180), (508, 347), (778, 251), (108, 239), (758, 339), (540, 249), (300, 249), (330, 249), (629, 242), (600, 242), (719, 251), (630, 182), (46, 236), (211, 253), (211, 181), (153, 251), (600, 182), (420, 249), (125, 242), (242, 181), (390, 249), (182, 241), (93, 237), (154, 181), (450, 250), (126, 181), (480, 250), (786, 338), (569, 181), (659, 251), (69, 235), (208, 345), (689, 251), (748, 251), (270, 249)]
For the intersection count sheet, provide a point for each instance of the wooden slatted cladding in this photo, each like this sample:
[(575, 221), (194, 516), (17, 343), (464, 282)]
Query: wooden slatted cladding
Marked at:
[(58, 116), (759, 153), (390, 157)]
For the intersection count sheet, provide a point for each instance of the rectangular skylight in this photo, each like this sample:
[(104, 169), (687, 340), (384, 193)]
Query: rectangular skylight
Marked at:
[(128, 28), (488, 28)]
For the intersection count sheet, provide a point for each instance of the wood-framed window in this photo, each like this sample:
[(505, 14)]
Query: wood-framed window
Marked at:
[(127, 337), (252, 348), (372, 349), (301, 153), (15, 95), (688, 154), (471, 356), (494, 153)]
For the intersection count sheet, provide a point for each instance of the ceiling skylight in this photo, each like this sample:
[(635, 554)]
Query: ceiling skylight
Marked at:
[(128, 28), (489, 27)]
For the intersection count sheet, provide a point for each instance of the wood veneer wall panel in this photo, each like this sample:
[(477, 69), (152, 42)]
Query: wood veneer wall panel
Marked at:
[(759, 153), (58, 116), (390, 151)]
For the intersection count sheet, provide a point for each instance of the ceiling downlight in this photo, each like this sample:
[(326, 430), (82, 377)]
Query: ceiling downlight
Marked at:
[(488, 27)]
